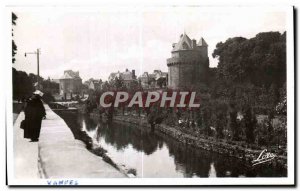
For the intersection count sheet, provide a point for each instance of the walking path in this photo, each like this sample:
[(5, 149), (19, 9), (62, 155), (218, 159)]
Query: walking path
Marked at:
[(62, 156), (25, 153), (57, 154)]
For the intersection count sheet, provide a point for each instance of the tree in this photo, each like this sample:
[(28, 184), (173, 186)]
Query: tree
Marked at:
[(249, 123), (274, 95), (22, 85), (117, 83), (155, 116), (251, 71), (133, 86), (14, 46), (206, 124), (220, 118), (270, 128), (233, 123), (262, 133), (105, 86), (260, 60), (161, 82)]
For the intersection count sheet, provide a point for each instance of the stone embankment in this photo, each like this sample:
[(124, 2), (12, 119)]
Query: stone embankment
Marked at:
[(245, 154)]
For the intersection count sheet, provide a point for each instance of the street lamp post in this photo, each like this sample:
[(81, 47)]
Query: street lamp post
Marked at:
[(37, 52)]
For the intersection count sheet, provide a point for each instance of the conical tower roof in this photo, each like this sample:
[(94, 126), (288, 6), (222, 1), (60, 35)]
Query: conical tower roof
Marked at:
[(184, 43), (202, 42)]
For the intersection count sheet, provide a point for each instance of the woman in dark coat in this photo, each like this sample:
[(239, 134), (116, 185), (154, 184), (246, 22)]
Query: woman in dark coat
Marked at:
[(34, 113)]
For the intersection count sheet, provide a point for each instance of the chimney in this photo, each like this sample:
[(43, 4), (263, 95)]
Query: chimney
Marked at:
[(194, 45), (133, 73)]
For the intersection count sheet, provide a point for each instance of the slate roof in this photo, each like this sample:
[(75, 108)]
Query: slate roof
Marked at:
[(69, 74), (185, 43), (127, 75), (202, 42)]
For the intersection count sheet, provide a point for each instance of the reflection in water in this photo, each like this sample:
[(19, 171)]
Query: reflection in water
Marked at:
[(157, 155)]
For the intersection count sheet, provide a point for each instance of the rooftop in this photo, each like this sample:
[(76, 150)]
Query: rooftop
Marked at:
[(69, 74), (185, 43)]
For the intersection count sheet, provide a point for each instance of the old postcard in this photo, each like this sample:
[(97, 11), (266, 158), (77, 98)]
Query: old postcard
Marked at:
[(141, 95)]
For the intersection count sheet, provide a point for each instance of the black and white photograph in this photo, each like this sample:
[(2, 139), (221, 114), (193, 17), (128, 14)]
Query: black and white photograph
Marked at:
[(150, 95)]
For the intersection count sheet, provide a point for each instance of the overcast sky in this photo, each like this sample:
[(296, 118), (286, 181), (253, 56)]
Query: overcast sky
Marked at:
[(98, 43)]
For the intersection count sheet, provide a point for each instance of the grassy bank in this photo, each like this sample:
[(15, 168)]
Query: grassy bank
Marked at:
[(244, 152)]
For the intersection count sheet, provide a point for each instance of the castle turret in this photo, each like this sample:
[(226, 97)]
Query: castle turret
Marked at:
[(202, 45), (188, 65)]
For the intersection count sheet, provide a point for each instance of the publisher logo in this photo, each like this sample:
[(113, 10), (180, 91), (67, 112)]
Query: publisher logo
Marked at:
[(263, 157)]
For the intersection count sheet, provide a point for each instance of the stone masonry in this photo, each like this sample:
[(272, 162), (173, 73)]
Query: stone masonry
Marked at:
[(189, 63)]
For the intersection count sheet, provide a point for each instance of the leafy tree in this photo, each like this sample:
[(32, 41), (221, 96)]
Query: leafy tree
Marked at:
[(199, 119), (220, 118), (14, 46), (161, 82), (260, 60), (117, 83), (206, 122), (49, 86), (274, 95), (48, 97), (270, 127), (133, 86), (105, 86), (249, 123), (262, 133), (233, 123), (251, 71), (22, 85)]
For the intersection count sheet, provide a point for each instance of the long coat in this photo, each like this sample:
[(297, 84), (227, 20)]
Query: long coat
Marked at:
[(34, 113)]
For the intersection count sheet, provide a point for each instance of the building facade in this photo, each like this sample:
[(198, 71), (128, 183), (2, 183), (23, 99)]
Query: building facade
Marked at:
[(70, 83), (95, 84), (127, 77), (189, 64), (157, 79)]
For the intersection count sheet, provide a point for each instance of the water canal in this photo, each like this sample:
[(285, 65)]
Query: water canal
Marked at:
[(157, 155)]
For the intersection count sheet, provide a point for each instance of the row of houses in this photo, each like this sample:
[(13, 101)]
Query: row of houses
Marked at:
[(157, 79), (71, 83), (187, 66)]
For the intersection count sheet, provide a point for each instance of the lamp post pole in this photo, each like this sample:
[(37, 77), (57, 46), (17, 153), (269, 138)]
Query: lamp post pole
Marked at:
[(38, 66), (37, 52)]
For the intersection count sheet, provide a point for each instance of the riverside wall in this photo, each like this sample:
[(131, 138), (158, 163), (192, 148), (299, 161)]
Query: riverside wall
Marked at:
[(60, 155), (245, 154)]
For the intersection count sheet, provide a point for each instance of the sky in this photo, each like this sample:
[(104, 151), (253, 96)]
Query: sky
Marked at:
[(99, 42)]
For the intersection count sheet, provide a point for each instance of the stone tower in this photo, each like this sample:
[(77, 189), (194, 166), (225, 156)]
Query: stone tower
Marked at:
[(189, 63)]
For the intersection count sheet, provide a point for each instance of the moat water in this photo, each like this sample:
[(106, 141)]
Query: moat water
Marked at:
[(152, 154)]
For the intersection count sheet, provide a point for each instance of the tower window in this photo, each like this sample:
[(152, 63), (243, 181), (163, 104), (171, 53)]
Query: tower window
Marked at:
[(184, 45)]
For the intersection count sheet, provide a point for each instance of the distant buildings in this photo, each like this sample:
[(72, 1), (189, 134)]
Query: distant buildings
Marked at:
[(127, 77), (188, 67), (94, 84), (189, 63), (70, 83), (50, 86), (157, 79)]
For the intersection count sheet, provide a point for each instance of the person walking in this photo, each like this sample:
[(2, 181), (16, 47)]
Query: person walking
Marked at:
[(34, 114)]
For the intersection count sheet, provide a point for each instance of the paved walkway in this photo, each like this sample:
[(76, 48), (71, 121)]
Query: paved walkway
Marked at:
[(62, 156), (59, 154), (25, 153)]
